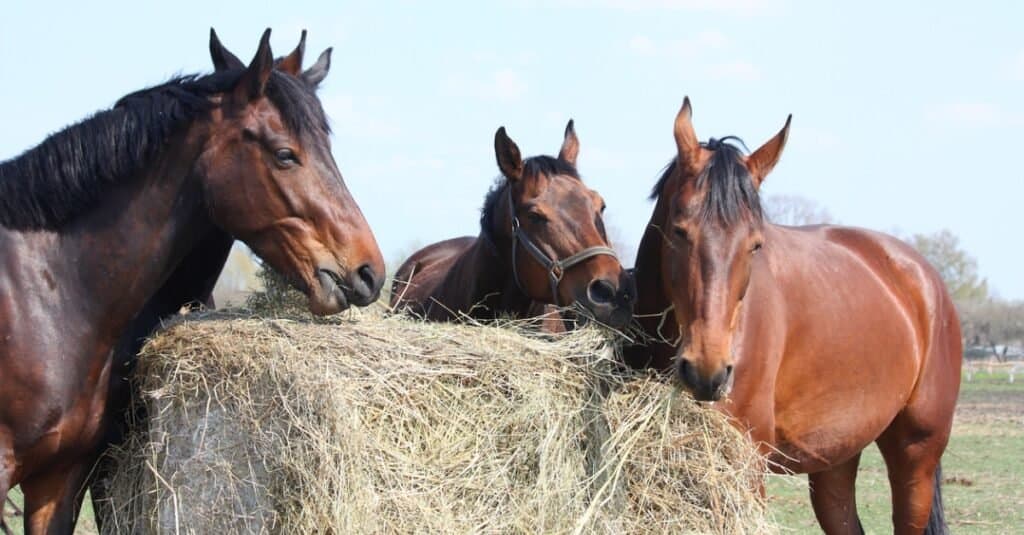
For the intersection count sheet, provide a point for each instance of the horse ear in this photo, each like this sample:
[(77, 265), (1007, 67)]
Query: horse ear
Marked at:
[(570, 146), (292, 63), (686, 138), (509, 159), (254, 80), (763, 160), (316, 74), (223, 59)]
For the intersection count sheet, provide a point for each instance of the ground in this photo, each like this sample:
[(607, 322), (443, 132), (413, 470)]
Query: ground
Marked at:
[(983, 468)]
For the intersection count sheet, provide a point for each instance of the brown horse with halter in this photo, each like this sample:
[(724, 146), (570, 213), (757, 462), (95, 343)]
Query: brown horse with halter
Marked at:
[(96, 221), (817, 340), (542, 242)]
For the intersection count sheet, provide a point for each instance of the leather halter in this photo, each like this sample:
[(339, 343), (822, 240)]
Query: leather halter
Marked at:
[(555, 268)]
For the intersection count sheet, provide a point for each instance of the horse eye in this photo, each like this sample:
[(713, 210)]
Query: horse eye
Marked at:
[(679, 232), (286, 156), (756, 248), (537, 217)]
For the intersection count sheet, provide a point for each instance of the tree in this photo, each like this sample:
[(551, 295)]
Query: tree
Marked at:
[(795, 210), (991, 323), (958, 269)]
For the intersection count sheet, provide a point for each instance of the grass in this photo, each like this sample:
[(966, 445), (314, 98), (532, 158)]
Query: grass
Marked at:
[(982, 468)]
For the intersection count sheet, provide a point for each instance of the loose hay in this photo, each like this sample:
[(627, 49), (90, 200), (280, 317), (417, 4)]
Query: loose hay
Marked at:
[(388, 425)]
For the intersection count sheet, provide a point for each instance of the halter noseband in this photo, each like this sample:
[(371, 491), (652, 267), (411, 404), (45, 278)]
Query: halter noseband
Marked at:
[(555, 268)]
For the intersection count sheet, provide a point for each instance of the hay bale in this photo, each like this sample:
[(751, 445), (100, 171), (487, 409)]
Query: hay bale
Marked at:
[(376, 424)]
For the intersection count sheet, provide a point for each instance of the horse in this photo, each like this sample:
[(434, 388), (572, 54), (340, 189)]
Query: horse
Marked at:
[(815, 340), (97, 223), (189, 286), (542, 244)]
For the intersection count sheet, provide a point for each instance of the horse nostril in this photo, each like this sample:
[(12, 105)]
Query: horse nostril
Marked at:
[(728, 371), (686, 372), (365, 285), (601, 292), (368, 277)]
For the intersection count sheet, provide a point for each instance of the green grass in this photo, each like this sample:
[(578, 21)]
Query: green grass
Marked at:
[(982, 467)]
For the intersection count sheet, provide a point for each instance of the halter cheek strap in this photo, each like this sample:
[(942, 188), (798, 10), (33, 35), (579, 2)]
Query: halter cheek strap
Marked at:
[(555, 268)]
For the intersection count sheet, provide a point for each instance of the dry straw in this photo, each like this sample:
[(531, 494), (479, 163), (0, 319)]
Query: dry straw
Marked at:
[(378, 424)]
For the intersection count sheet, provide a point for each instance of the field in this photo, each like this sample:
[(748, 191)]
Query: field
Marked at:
[(983, 468)]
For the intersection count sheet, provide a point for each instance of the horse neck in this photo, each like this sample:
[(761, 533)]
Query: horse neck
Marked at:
[(653, 306), (493, 280), (124, 249), (493, 274)]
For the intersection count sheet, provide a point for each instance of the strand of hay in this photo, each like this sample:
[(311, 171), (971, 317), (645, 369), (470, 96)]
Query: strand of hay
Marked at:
[(376, 424)]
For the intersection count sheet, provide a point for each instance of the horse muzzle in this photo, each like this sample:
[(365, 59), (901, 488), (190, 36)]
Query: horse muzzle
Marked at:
[(337, 293), (704, 387), (610, 303)]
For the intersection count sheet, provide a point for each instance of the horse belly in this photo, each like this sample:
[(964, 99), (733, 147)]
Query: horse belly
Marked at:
[(836, 394)]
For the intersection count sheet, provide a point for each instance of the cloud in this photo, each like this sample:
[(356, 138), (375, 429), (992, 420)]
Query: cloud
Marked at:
[(975, 114), (347, 118), (399, 165), (502, 85), (1014, 68), (701, 43), (643, 45), (699, 51), (815, 138), (689, 47), (967, 113), (743, 8), (508, 85), (739, 70)]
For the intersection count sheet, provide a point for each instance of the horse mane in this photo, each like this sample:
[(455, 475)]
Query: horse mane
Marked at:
[(47, 186), (531, 166), (731, 193)]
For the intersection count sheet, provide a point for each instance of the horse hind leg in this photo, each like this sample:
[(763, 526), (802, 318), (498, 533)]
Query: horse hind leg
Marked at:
[(912, 460), (834, 498)]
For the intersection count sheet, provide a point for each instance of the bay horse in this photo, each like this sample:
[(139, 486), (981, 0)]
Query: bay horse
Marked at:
[(817, 340), (96, 222), (542, 244)]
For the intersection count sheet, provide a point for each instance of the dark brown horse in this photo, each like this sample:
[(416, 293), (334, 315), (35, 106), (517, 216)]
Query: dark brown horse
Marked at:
[(542, 241), (818, 340), (98, 219)]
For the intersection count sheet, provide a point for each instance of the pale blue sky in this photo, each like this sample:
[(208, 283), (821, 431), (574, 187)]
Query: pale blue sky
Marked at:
[(907, 115)]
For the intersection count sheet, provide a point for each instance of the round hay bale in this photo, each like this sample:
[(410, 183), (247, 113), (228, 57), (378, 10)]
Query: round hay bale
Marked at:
[(373, 424)]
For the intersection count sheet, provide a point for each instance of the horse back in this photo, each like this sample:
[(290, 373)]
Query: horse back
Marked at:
[(421, 278)]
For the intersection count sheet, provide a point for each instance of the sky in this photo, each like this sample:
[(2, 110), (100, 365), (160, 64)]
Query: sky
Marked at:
[(907, 116)]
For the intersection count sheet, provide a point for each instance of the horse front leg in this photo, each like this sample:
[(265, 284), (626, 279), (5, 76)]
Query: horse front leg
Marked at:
[(6, 475), (4, 500), (834, 498), (53, 500)]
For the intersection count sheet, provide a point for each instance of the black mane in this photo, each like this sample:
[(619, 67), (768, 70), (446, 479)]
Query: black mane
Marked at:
[(531, 166), (730, 189), (49, 185)]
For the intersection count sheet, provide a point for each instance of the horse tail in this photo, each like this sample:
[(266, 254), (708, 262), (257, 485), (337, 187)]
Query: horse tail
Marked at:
[(937, 518)]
